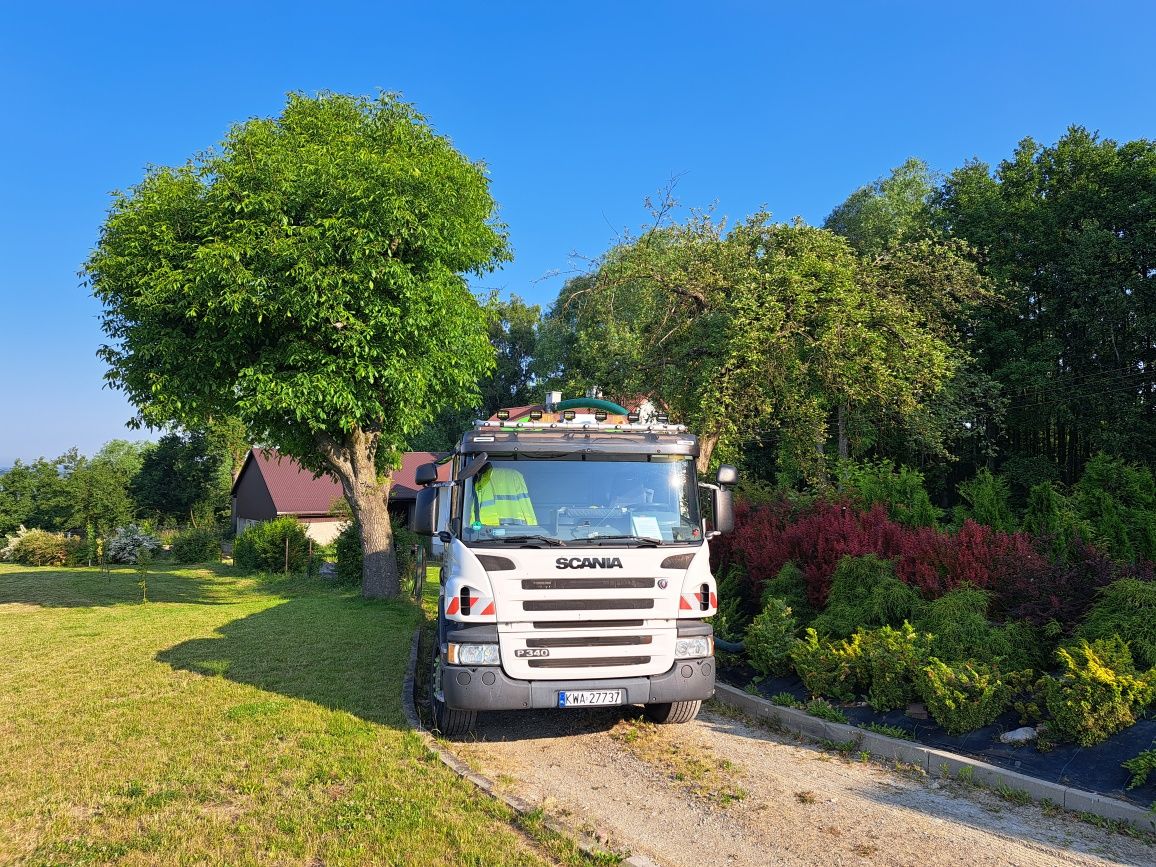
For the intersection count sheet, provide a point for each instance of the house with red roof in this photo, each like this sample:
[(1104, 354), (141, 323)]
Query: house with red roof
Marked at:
[(271, 485)]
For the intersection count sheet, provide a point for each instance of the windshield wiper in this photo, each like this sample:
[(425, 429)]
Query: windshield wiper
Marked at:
[(533, 537), (648, 540)]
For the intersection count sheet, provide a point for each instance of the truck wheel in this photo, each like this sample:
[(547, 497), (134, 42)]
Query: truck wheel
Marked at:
[(674, 712), (447, 721)]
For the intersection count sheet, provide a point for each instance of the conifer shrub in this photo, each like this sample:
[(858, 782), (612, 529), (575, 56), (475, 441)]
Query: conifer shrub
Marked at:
[(962, 696), (900, 490), (263, 546), (1118, 502), (732, 619), (1096, 693), (1126, 608), (827, 668), (865, 592), (986, 500), (130, 543), (960, 629), (790, 585), (196, 545), (770, 637), (887, 662)]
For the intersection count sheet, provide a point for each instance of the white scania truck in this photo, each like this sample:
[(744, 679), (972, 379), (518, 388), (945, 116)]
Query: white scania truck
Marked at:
[(575, 568)]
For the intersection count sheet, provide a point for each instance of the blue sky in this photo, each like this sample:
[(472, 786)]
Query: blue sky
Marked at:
[(580, 111)]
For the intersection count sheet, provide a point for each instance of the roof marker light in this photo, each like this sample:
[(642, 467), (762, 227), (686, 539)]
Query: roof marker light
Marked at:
[(568, 414), (600, 416), (633, 416), (662, 417), (535, 414), (503, 414)]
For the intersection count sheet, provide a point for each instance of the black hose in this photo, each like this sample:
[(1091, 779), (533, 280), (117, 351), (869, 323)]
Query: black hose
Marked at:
[(729, 646)]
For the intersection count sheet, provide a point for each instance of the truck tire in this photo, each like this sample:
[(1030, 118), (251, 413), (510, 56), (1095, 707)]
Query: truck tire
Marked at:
[(447, 721), (674, 712)]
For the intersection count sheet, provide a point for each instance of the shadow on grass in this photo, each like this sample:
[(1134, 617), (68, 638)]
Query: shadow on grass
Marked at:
[(334, 649), (63, 587)]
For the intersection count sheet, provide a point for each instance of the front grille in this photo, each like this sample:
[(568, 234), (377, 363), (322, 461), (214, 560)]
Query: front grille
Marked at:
[(586, 604), (596, 662), (586, 624), (587, 583), (591, 641)]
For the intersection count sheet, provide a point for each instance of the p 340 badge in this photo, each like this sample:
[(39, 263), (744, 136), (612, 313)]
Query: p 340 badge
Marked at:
[(524, 652)]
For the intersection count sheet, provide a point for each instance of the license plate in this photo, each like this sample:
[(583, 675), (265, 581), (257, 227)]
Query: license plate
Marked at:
[(589, 697)]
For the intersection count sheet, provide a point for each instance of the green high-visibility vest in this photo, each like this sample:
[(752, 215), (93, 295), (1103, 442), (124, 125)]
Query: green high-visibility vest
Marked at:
[(501, 494)]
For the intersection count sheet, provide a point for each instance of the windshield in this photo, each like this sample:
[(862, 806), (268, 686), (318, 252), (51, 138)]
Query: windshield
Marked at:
[(583, 500)]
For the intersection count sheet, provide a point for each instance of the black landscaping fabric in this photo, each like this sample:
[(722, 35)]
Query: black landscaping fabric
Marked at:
[(1093, 769)]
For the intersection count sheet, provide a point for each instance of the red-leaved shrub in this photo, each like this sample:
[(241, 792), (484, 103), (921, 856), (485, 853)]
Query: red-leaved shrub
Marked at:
[(932, 561)]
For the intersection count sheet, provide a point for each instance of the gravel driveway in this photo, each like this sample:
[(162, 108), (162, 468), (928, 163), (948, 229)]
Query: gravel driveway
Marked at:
[(721, 791)]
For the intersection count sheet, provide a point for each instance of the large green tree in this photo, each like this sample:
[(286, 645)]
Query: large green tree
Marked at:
[(513, 332), (186, 478), (1069, 233), (760, 329), (99, 487), (307, 277)]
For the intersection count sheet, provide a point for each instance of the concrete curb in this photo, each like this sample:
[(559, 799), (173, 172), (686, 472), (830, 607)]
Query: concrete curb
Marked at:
[(586, 843), (935, 762)]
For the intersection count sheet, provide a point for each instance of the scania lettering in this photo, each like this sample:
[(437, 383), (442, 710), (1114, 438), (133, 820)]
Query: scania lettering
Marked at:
[(576, 565)]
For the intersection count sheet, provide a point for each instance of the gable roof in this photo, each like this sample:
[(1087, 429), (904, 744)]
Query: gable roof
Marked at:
[(296, 491)]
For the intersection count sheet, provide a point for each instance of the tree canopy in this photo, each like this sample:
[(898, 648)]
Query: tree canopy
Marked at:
[(307, 277)]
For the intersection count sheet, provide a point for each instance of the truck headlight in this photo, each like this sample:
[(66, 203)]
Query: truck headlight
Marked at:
[(473, 654), (691, 648)]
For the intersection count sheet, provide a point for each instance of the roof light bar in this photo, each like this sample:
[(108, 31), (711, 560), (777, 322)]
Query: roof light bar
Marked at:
[(535, 414), (633, 416), (503, 414), (568, 414)]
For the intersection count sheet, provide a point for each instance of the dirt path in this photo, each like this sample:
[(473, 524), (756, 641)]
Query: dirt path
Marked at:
[(722, 792)]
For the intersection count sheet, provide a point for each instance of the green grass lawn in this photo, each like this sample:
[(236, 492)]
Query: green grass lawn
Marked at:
[(230, 720)]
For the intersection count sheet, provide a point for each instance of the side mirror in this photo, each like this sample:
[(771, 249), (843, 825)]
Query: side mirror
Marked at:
[(474, 466), (426, 474), (727, 475), (425, 512), (724, 510)]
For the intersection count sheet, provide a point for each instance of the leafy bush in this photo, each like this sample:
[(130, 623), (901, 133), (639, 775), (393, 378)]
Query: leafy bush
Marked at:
[(128, 542), (825, 710), (791, 586), (263, 546), (407, 544), (1126, 608), (350, 554), (887, 661), (770, 637), (865, 592), (962, 696), (1140, 767), (196, 545), (827, 667), (900, 490), (1097, 693), (41, 548)]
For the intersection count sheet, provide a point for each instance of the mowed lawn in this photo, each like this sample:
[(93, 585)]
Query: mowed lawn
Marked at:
[(230, 720)]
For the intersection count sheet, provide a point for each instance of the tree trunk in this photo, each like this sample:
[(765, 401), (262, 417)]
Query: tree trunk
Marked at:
[(706, 444), (353, 462)]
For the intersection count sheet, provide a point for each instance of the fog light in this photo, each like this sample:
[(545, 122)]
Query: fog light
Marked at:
[(473, 654), (693, 648)]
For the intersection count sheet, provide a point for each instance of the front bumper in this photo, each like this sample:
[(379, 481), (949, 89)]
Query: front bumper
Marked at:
[(490, 688)]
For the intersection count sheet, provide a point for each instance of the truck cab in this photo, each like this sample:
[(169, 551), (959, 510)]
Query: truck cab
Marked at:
[(575, 567)]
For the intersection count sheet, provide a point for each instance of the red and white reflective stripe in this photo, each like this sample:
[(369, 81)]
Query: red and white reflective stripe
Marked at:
[(454, 606), (687, 603)]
